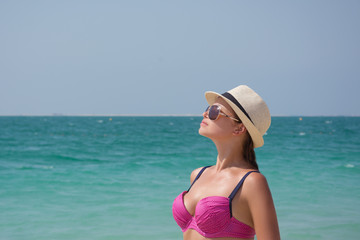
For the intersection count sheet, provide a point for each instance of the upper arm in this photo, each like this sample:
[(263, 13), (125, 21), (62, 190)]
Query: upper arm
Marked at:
[(262, 207)]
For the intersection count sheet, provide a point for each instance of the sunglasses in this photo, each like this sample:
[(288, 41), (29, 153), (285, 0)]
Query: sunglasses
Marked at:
[(214, 111)]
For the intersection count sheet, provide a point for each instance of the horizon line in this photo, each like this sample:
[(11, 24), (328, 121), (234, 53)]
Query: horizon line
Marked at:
[(150, 115)]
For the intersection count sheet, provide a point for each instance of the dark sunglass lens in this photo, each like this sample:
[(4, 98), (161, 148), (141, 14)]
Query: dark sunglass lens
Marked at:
[(213, 112)]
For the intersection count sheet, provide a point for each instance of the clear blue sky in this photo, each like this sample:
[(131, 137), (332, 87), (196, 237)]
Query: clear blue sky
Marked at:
[(159, 57)]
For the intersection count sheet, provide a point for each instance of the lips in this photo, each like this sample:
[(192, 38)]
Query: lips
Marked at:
[(203, 123)]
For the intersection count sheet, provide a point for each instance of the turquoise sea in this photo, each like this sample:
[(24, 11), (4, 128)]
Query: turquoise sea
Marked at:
[(105, 178)]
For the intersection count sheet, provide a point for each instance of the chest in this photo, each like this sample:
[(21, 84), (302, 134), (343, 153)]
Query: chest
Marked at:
[(207, 187)]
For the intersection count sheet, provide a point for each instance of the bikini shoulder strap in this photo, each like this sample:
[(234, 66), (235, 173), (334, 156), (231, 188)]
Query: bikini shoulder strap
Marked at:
[(197, 177), (238, 186)]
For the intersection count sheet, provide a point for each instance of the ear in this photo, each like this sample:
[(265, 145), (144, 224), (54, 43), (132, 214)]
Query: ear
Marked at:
[(239, 129)]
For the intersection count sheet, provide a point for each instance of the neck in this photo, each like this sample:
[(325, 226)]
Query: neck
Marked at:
[(230, 155)]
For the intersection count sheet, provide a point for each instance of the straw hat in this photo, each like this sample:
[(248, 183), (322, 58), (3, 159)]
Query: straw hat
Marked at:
[(249, 107)]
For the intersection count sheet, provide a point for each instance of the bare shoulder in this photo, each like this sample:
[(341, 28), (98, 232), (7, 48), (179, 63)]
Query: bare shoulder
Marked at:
[(256, 184), (194, 174)]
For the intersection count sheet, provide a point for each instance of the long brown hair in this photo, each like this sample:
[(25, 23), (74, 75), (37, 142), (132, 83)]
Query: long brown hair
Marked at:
[(249, 152), (248, 149)]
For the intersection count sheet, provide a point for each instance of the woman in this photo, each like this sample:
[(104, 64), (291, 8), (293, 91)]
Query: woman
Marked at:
[(230, 200)]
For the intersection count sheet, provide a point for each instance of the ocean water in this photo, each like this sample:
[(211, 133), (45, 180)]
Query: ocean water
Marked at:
[(108, 178)]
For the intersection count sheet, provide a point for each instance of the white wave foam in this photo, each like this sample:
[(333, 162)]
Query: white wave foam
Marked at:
[(46, 167)]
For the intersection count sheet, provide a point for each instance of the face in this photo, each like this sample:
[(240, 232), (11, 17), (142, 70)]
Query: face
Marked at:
[(222, 127)]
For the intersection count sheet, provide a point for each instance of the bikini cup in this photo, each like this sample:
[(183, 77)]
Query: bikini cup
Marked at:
[(213, 217), (212, 214)]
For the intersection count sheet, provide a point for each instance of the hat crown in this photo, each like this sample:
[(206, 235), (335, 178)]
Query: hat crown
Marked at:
[(254, 106)]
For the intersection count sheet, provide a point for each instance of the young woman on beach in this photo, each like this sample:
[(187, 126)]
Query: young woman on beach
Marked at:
[(230, 200)]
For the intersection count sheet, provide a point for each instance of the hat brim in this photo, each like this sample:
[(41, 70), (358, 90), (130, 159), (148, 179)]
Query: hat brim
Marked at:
[(254, 133)]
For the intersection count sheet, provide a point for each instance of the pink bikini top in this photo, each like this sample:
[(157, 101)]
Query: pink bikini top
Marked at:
[(213, 216)]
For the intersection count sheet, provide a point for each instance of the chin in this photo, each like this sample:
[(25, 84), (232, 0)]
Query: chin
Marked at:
[(200, 131), (204, 133)]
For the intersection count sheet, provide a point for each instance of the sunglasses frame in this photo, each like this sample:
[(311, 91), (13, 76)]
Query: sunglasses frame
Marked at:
[(219, 113)]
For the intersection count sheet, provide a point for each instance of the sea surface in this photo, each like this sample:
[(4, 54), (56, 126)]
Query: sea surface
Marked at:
[(105, 178)]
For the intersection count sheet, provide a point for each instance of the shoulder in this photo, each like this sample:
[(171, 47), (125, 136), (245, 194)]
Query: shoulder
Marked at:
[(256, 178), (194, 173), (256, 185)]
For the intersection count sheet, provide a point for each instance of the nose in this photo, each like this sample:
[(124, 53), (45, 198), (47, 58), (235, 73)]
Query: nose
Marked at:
[(205, 114)]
